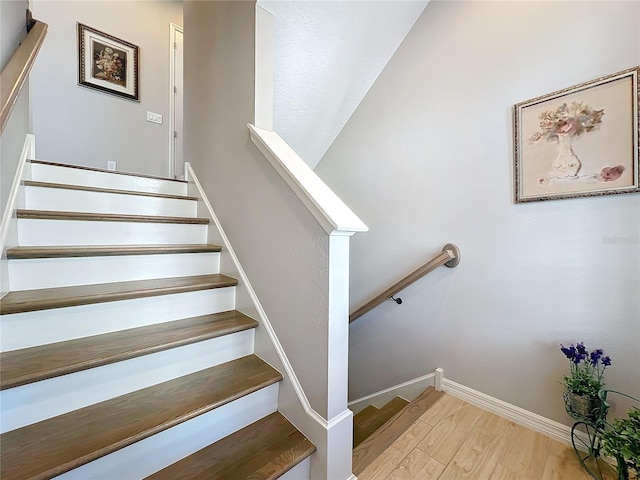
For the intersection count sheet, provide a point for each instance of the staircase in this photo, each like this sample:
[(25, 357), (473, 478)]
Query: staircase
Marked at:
[(375, 429), (122, 354)]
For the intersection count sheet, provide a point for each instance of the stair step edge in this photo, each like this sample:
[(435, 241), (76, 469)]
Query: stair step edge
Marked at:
[(368, 426), (364, 414), (15, 253), (85, 188), (264, 450), (101, 170), (59, 444), (33, 364), (105, 217), (48, 298), (383, 437)]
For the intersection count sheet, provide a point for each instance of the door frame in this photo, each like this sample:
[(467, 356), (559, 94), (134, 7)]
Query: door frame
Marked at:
[(173, 30)]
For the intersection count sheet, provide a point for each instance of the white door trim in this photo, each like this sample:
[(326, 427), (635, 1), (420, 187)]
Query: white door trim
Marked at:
[(173, 29)]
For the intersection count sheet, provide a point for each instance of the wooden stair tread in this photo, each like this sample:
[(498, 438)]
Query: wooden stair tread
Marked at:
[(66, 186), (381, 439), (264, 450), (28, 365), (363, 415), (105, 250), (366, 427), (106, 217), (114, 172), (59, 444), (45, 298)]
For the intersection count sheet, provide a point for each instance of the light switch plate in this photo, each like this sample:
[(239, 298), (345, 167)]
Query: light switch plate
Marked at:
[(111, 165), (154, 118)]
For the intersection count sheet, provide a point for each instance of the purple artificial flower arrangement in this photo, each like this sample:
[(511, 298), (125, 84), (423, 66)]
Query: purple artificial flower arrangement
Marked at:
[(586, 375)]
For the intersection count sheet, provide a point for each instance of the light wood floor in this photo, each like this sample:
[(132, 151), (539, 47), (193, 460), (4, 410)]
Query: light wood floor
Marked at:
[(454, 440)]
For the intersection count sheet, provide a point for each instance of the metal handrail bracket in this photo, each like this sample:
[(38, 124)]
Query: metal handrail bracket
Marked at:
[(449, 257)]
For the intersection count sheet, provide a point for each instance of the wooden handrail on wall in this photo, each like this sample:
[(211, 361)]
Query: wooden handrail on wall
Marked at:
[(15, 73), (449, 257)]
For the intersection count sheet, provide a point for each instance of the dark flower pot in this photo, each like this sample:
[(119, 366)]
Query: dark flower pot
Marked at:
[(582, 406)]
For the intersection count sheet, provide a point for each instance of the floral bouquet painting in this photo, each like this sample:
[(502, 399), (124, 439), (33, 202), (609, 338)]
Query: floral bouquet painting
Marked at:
[(561, 126), (580, 141), (109, 64)]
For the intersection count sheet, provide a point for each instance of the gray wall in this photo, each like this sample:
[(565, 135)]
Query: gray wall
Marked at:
[(282, 249), (12, 19), (12, 32), (77, 125), (426, 159), (326, 56)]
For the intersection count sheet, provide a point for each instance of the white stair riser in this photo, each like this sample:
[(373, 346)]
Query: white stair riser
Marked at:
[(66, 200), (30, 329), (302, 471), (89, 178), (27, 274), (45, 399), (35, 232), (143, 458)]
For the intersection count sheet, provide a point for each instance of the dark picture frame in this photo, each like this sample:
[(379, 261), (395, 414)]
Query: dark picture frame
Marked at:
[(108, 63)]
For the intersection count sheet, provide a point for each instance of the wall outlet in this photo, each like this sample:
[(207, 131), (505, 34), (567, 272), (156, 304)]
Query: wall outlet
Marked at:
[(111, 165), (154, 118)]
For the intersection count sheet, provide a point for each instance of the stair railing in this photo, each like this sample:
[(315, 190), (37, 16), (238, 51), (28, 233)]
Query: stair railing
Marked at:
[(16, 71), (449, 257)]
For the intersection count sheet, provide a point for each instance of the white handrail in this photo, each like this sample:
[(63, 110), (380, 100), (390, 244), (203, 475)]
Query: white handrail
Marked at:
[(325, 206)]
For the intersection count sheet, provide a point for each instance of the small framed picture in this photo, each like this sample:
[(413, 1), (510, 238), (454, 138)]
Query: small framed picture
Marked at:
[(581, 141), (107, 63)]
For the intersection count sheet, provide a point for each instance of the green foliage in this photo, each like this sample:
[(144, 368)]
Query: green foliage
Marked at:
[(622, 440), (586, 369), (582, 380)]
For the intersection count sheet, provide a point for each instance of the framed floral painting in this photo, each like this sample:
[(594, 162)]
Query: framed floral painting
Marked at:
[(578, 142), (107, 63)]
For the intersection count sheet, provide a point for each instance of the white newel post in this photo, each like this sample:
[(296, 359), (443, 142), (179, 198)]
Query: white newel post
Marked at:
[(332, 432), (339, 417)]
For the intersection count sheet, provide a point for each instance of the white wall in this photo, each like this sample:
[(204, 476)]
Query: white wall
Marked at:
[(12, 32), (426, 159), (82, 126), (327, 55)]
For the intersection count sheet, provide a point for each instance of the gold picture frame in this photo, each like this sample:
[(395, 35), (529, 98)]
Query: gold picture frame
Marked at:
[(107, 63), (581, 141)]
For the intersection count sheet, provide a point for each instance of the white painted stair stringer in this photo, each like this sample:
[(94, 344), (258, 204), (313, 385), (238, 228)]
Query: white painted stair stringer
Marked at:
[(69, 200), (33, 273), (15, 200), (147, 456), (43, 232), (91, 178), (38, 401), (30, 329)]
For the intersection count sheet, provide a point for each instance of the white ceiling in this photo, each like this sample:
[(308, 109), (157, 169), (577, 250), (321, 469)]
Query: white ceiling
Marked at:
[(327, 56)]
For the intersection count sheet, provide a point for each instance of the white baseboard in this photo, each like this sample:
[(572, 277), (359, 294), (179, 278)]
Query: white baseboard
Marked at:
[(407, 390), (550, 428)]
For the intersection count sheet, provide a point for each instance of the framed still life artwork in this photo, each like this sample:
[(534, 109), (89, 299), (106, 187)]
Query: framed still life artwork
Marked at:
[(107, 63), (579, 142)]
